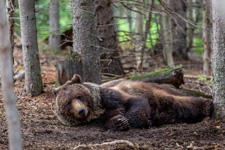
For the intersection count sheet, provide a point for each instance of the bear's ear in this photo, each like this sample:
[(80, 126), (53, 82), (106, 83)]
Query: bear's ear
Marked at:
[(76, 79)]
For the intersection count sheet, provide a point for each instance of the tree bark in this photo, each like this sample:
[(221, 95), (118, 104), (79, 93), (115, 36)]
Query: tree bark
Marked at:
[(109, 53), (207, 29), (31, 62), (14, 132), (10, 4), (147, 28), (167, 36), (190, 28), (66, 69), (85, 38), (179, 29), (54, 37), (138, 35), (218, 63)]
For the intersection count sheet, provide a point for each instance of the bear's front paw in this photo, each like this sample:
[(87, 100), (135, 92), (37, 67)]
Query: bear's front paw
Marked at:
[(118, 123)]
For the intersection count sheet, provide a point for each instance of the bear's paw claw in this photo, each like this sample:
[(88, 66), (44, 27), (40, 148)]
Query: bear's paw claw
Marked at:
[(118, 123)]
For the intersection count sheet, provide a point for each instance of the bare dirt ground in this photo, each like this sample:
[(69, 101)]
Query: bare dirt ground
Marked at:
[(42, 130)]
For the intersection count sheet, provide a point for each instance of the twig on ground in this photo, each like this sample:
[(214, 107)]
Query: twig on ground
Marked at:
[(117, 144)]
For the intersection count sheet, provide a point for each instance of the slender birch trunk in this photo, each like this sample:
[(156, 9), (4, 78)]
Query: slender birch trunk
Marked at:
[(14, 132)]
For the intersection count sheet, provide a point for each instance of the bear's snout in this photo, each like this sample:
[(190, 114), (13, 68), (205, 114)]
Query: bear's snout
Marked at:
[(79, 109), (81, 112)]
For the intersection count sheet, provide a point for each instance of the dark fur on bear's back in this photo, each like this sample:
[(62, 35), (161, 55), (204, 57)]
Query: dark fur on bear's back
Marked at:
[(124, 104)]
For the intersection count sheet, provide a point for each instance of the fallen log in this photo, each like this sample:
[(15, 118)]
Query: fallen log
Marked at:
[(195, 93), (174, 76)]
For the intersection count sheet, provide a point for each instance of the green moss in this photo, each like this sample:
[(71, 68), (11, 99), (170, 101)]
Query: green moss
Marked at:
[(56, 84), (155, 73)]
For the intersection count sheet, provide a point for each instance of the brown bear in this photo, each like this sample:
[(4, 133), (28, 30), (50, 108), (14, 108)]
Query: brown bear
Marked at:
[(122, 104)]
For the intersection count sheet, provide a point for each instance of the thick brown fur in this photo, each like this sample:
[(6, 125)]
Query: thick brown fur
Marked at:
[(123, 104)]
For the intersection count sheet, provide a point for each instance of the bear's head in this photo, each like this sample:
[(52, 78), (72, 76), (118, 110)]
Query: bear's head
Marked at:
[(77, 102)]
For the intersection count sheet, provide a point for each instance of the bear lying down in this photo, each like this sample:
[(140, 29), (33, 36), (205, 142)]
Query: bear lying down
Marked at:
[(123, 104)]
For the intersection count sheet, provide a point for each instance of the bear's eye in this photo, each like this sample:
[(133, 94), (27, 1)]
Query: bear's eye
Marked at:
[(69, 103), (79, 97)]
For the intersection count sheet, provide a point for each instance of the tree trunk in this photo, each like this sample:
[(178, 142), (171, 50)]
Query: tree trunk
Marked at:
[(54, 37), (138, 35), (167, 36), (31, 62), (14, 132), (218, 63), (194, 15), (85, 38), (190, 28), (207, 29), (147, 29), (179, 29), (66, 69), (109, 53), (10, 5)]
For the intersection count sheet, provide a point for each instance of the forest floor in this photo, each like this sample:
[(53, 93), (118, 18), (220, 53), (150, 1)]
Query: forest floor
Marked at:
[(42, 130)]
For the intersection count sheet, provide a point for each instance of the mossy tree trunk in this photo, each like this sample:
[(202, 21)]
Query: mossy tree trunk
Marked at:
[(31, 61), (85, 41), (218, 63)]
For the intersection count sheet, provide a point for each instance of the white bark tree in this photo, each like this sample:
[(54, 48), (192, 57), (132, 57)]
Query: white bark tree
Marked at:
[(14, 132), (31, 62), (85, 40), (218, 63), (54, 37)]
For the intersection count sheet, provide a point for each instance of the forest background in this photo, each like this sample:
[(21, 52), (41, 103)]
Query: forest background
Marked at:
[(132, 37)]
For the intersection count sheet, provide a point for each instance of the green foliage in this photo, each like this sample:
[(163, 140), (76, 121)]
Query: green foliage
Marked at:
[(42, 16), (42, 19), (204, 79), (199, 44), (125, 37)]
